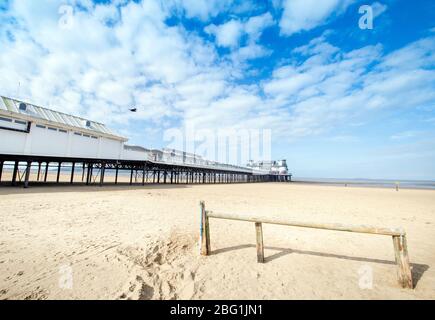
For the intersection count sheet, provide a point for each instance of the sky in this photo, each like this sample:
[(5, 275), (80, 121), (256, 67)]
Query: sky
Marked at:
[(340, 98)]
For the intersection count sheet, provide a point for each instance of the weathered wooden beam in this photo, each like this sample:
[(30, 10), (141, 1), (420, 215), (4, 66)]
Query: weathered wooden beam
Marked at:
[(260, 247), (404, 274), (327, 226), (204, 231)]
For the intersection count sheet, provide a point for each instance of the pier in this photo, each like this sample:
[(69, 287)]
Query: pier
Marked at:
[(94, 171), (38, 140)]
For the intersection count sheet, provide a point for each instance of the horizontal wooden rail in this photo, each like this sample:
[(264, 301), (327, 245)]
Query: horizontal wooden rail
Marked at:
[(398, 235), (327, 226)]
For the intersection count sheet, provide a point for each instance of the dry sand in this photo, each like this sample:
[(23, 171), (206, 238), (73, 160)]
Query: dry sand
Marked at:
[(142, 243)]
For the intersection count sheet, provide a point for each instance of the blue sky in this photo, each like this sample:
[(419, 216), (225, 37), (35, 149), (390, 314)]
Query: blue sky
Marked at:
[(340, 101)]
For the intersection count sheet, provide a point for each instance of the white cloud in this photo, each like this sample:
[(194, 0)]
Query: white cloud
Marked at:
[(230, 34), (303, 15), (255, 25), (203, 9), (378, 8), (227, 34), (405, 135)]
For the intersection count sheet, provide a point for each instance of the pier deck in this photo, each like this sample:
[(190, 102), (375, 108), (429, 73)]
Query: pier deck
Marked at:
[(93, 171)]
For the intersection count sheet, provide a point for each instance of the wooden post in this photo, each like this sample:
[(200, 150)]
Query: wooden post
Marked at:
[(260, 247), (204, 231), (72, 172), (26, 179), (402, 259)]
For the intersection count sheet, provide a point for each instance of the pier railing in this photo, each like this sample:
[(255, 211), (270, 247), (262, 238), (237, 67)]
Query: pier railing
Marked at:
[(398, 235)]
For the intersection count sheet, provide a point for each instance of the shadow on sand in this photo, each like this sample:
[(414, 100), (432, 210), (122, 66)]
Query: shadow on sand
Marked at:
[(417, 269), (40, 187)]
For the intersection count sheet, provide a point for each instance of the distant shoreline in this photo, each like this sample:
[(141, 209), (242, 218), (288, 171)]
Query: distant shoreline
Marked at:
[(387, 184)]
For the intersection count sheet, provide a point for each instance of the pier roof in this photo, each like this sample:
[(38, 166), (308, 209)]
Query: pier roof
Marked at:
[(29, 110)]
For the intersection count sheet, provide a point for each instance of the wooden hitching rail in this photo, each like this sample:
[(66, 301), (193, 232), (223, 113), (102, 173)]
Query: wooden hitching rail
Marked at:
[(399, 237)]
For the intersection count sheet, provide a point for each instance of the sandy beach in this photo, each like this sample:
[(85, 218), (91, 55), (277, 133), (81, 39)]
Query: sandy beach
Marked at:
[(134, 242)]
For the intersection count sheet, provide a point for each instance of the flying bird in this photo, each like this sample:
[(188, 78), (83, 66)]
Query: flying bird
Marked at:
[(133, 109)]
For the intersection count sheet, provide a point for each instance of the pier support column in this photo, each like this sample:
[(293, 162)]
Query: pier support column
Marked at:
[(26, 178), (83, 171), (131, 177), (39, 171), (116, 174), (143, 175), (72, 173), (47, 165), (58, 172), (1, 170), (102, 172), (172, 177), (88, 174), (158, 176), (14, 173)]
